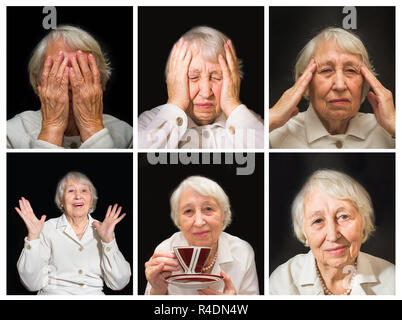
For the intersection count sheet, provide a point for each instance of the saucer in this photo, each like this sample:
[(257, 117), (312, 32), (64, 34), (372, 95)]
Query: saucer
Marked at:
[(194, 280)]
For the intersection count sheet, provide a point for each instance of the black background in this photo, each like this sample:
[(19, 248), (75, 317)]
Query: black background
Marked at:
[(156, 184), (289, 171), (112, 27), (34, 176), (160, 27), (292, 27)]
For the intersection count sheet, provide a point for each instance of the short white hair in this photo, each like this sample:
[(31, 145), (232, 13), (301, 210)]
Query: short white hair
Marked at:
[(76, 39), (210, 42), (205, 187), (81, 178), (346, 40), (339, 186)]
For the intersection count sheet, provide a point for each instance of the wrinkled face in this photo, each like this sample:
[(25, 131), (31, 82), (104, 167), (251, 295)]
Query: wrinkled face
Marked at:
[(336, 88), (205, 85), (333, 228), (77, 199), (200, 218), (54, 48)]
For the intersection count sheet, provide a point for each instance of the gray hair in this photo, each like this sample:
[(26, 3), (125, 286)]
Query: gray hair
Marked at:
[(81, 178), (205, 187), (76, 39), (339, 186), (346, 40), (210, 42)]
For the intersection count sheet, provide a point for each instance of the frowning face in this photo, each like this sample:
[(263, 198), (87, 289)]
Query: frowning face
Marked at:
[(205, 85), (336, 88)]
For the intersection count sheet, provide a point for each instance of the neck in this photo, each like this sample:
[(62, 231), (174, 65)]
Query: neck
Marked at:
[(77, 222), (335, 126)]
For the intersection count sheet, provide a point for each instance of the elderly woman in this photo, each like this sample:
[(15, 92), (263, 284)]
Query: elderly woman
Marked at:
[(334, 73), (203, 109), (201, 210), (333, 215), (72, 254), (69, 72)]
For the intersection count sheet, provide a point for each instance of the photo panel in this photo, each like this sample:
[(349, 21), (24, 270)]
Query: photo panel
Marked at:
[(35, 177), (156, 40), (241, 176), (375, 172)]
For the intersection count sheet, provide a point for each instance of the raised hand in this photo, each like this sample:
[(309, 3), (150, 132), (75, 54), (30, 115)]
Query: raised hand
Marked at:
[(33, 224), (87, 94), (158, 268), (382, 102), (106, 228), (286, 107), (177, 76), (230, 93), (53, 94)]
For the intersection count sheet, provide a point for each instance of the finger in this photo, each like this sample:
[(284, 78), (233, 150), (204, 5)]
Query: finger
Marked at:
[(164, 254), (76, 68), (182, 51), (228, 282), (120, 218), (209, 291), (46, 70), (64, 81), (60, 72), (304, 80), (84, 66), (372, 98), (371, 79), (75, 85), (231, 62), (94, 68), (56, 65), (108, 212), (96, 224), (224, 66)]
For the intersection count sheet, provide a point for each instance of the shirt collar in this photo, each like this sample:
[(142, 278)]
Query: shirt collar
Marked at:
[(309, 279), (315, 130), (220, 121)]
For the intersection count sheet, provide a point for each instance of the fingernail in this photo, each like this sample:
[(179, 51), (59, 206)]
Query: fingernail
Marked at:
[(60, 53)]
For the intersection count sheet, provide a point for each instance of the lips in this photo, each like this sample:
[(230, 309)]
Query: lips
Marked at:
[(201, 234), (336, 250), (78, 205), (339, 101), (205, 105)]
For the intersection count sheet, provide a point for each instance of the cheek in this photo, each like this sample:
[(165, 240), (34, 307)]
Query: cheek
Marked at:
[(319, 88), (193, 89)]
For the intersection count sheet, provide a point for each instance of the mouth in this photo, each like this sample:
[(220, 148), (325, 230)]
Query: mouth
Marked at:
[(337, 250), (339, 102), (201, 234), (78, 205), (205, 106)]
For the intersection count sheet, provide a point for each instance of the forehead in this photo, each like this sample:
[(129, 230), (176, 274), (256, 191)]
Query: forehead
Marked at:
[(200, 64), (75, 183), (190, 196), (318, 199), (330, 51), (56, 46)]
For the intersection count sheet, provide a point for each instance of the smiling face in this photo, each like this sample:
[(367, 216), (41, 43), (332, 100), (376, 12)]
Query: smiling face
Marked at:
[(333, 229), (205, 85), (77, 199), (200, 219), (336, 88)]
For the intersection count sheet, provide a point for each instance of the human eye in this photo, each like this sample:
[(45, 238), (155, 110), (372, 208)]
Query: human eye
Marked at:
[(193, 77), (318, 221), (325, 70)]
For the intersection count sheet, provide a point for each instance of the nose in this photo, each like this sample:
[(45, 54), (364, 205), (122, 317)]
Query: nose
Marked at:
[(205, 88), (199, 219), (332, 232), (339, 81)]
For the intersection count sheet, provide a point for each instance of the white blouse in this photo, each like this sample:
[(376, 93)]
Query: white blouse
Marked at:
[(168, 126), (374, 276), (60, 263), (235, 257)]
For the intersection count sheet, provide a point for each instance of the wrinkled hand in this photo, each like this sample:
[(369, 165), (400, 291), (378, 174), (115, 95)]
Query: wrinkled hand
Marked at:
[(286, 107), (106, 228), (87, 94), (229, 288), (230, 94), (382, 102), (53, 94), (33, 224), (158, 268), (177, 77)]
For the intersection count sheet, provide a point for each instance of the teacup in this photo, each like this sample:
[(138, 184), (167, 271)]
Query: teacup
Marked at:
[(192, 258)]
